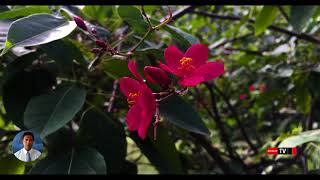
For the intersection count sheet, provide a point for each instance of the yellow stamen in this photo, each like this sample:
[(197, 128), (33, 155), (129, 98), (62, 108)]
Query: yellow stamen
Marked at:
[(185, 64), (132, 98)]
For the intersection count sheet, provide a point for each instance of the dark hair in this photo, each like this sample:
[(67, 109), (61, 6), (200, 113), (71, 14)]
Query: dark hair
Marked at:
[(27, 133)]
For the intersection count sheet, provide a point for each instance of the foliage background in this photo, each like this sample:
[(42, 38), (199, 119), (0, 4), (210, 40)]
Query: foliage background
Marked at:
[(86, 133)]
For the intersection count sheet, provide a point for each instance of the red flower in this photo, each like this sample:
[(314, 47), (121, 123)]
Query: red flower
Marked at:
[(141, 102), (243, 96), (252, 88), (192, 66), (262, 87), (157, 76)]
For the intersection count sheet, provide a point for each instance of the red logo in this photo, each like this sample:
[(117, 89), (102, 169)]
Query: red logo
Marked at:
[(283, 150)]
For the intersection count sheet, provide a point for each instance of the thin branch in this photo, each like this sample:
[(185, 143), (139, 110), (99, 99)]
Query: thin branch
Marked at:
[(233, 154), (258, 53), (216, 117), (231, 40), (301, 36), (145, 15), (213, 152), (284, 14), (111, 100), (179, 13), (150, 29), (236, 117), (304, 164)]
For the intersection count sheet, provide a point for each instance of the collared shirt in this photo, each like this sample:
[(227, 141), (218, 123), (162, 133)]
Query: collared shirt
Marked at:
[(22, 154)]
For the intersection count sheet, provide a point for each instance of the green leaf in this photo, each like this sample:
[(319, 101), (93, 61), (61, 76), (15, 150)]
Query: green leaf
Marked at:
[(184, 38), (300, 16), (180, 113), (304, 137), (49, 112), (4, 9), (37, 29), (11, 165), (116, 68), (25, 11), (97, 13), (150, 52), (304, 100), (20, 87), (266, 17), (99, 130), (134, 18), (60, 141), (65, 59), (162, 153), (77, 161)]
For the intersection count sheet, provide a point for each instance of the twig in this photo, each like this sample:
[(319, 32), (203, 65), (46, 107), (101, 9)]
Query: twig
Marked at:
[(95, 61), (213, 152), (231, 40), (302, 36), (258, 53), (304, 164), (284, 14), (150, 29), (179, 13), (111, 100), (233, 154), (236, 117)]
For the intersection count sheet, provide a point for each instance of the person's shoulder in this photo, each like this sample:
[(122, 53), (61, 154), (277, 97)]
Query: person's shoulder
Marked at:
[(18, 152), (36, 151)]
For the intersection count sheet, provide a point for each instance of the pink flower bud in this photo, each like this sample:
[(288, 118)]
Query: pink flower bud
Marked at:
[(80, 23), (157, 76), (252, 88), (243, 96), (101, 43)]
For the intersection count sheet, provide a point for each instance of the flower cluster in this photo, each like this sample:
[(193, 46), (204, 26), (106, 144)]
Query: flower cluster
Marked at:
[(190, 67)]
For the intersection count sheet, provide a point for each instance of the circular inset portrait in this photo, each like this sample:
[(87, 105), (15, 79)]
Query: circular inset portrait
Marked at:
[(27, 146)]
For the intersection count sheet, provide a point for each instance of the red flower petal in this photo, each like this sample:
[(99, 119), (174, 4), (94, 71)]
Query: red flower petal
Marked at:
[(148, 104), (129, 85), (172, 55), (204, 73), (133, 68), (168, 69), (191, 81), (133, 117), (157, 76), (198, 53)]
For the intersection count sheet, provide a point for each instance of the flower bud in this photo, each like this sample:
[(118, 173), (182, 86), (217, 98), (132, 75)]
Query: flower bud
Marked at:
[(243, 96), (80, 23), (157, 76), (252, 88), (93, 30), (95, 50), (101, 44)]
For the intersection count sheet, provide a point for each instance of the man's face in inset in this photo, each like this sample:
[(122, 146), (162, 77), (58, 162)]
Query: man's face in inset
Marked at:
[(27, 142)]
